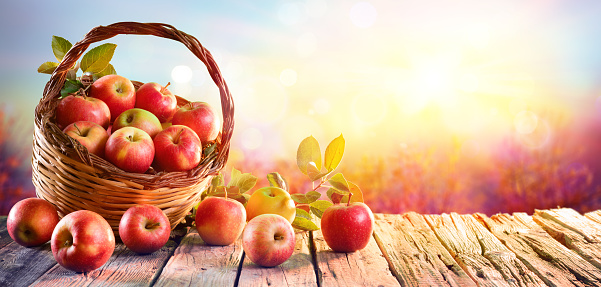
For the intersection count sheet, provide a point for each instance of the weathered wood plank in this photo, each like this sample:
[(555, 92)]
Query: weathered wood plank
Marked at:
[(480, 253), (416, 256), (296, 271), (594, 216), (4, 237), (574, 231), (195, 263), (550, 260), (366, 267), (20, 266), (124, 268)]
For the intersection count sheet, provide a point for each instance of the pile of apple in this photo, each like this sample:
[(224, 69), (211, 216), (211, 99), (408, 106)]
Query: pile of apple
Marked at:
[(135, 129)]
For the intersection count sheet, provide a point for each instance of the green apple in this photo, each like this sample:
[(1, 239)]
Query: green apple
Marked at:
[(270, 200)]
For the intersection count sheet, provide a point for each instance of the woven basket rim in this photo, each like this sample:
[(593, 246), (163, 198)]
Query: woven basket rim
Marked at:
[(45, 110)]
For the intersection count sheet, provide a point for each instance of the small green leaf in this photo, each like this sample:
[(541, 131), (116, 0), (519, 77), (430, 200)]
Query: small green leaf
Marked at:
[(47, 68), (217, 180), (299, 198), (318, 207), (70, 87), (244, 181), (97, 59), (275, 179), (109, 70), (334, 153), (357, 194), (339, 194), (60, 47), (308, 151), (339, 182), (233, 176), (208, 150), (314, 173), (312, 196), (304, 224), (302, 213)]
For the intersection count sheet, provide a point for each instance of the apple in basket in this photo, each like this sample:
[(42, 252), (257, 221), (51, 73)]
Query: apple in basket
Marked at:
[(31, 221), (268, 240), (220, 220), (138, 118), (347, 227), (116, 91), (144, 228), (81, 108), (271, 199), (201, 118), (89, 134), (177, 148), (157, 100), (82, 241), (130, 149)]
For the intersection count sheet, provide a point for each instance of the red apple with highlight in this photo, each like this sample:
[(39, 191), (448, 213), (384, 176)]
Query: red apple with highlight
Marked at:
[(31, 221), (201, 118), (268, 240), (116, 91), (157, 100), (89, 134), (177, 148), (130, 149), (144, 228), (139, 118), (220, 220), (347, 227), (81, 108)]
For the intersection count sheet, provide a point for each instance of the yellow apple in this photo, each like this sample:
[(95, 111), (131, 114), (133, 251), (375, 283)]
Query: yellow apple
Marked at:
[(270, 200)]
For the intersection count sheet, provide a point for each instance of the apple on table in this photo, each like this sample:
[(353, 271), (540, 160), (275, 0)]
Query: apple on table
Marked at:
[(273, 200), (82, 241), (156, 99), (31, 221), (116, 91), (89, 134), (220, 220), (177, 148), (347, 227), (82, 108), (130, 149), (201, 118), (144, 228), (268, 240), (138, 118)]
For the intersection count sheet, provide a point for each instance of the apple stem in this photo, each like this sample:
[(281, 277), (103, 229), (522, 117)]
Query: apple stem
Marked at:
[(176, 139), (350, 194), (130, 138), (78, 130), (225, 190), (278, 237), (152, 225), (165, 87)]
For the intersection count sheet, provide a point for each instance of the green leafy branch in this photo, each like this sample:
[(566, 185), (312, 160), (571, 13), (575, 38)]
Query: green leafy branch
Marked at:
[(94, 64), (236, 188)]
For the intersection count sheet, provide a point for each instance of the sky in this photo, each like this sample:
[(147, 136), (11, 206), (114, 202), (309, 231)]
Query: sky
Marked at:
[(386, 74)]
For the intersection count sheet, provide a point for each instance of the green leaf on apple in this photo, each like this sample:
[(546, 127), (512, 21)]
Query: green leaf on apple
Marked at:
[(47, 68), (70, 87), (275, 179), (299, 198), (339, 182), (304, 224), (98, 58), (60, 47), (109, 70), (302, 213), (319, 206), (334, 153), (312, 196), (308, 151), (357, 194)]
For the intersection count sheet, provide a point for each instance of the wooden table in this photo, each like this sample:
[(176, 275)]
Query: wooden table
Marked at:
[(558, 247)]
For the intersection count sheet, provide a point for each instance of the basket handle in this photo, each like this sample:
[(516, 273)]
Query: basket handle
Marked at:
[(101, 33)]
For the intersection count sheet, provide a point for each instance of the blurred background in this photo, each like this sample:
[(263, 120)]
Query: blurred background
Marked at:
[(465, 106)]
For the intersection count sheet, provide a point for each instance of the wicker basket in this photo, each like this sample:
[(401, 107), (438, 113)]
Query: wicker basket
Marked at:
[(66, 175)]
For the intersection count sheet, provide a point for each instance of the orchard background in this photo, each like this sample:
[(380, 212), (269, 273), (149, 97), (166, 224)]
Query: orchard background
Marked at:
[(465, 106)]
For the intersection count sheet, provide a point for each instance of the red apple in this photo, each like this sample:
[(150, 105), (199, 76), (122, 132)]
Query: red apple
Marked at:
[(177, 149), (89, 134), (116, 91), (157, 100), (81, 108), (82, 241), (347, 227), (139, 118), (201, 118), (268, 240), (144, 228), (220, 220), (31, 221), (130, 149)]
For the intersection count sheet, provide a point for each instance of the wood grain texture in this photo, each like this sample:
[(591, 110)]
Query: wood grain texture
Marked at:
[(573, 230), (20, 266), (366, 267), (4, 237), (554, 263), (296, 271), (414, 253), (124, 268), (594, 216), (194, 263), (480, 253)]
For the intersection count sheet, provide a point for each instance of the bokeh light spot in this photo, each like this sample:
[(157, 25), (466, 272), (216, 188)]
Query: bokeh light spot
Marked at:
[(181, 74), (363, 14), (288, 77), (525, 122)]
